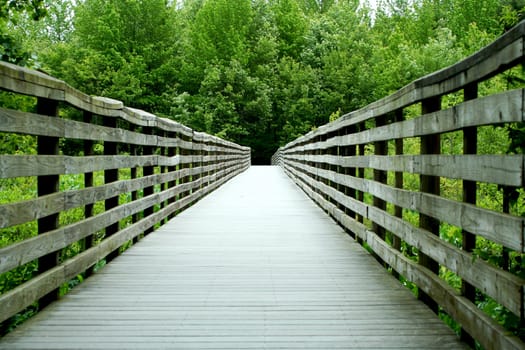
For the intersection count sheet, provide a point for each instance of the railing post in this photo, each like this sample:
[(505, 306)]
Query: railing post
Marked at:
[(430, 144), (360, 174), (348, 191), (165, 151), (172, 152), (46, 185), (148, 171), (380, 176), (470, 146), (111, 175), (133, 150), (398, 210), (88, 182)]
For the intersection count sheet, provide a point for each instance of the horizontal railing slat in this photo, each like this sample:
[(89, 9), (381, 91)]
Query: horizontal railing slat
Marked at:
[(499, 169), (501, 228)]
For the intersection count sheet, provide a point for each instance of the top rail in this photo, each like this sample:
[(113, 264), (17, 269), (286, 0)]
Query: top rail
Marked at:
[(420, 180), (89, 178)]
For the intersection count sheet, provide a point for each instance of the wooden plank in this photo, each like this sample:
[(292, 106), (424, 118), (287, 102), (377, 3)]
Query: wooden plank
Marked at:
[(24, 211), (30, 123), (21, 212), (498, 169), (22, 252), (30, 82), (475, 321), (33, 165), (97, 105), (504, 287), (506, 107), (201, 282), (22, 296), (499, 227), (25, 251), (489, 333)]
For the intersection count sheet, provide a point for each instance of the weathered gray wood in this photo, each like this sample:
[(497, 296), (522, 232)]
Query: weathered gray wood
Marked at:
[(34, 83), (18, 165), (24, 211), (489, 333), (506, 107), (322, 176), (97, 105), (499, 227), (221, 275), (25, 81), (22, 252), (22, 296), (476, 322), (499, 169), (503, 286)]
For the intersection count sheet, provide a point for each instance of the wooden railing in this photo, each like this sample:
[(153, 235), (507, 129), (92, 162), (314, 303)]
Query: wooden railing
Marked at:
[(117, 171), (403, 172)]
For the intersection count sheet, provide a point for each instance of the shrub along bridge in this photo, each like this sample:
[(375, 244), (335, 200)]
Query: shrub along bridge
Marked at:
[(256, 264)]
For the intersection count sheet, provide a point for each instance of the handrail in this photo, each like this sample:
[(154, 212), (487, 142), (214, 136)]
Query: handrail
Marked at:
[(356, 169), (151, 169)]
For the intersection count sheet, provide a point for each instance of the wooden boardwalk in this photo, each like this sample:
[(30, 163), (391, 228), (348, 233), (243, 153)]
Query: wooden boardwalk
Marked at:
[(255, 265)]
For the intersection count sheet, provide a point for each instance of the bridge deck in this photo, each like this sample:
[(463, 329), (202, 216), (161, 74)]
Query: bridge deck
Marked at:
[(254, 265)]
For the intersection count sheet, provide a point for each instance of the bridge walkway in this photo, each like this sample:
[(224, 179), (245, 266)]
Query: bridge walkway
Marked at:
[(254, 265)]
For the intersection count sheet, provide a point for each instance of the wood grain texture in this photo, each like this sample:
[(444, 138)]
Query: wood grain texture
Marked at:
[(503, 286), (24, 295), (489, 333), (506, 107), (221, 275), (501, 228), (499, 169)]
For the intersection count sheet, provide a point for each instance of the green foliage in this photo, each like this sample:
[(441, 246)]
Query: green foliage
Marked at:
[(11, 50)]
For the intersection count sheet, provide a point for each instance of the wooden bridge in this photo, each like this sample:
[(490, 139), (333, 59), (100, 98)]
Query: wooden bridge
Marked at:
[(112, 199), (248, 267)]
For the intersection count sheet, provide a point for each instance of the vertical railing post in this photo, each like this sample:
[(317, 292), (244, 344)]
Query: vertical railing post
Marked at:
[(470, 146), (398, 183), (88, 182), (172, 152), (360, 174), (134, 150), (380, 176), (197, 165), (164, 170), (46, 185), (430, 144), (148, 171), (111, 175), (350, 151)]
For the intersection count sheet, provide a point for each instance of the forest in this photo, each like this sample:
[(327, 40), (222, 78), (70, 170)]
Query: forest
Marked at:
[(256, 72)]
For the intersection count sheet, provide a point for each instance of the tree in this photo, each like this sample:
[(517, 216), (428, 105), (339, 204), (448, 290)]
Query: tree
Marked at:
[(11, 49), (120, 49), (292, 26)]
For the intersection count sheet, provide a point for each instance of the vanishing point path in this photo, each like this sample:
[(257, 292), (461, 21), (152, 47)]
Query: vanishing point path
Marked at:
[(254, 265)]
